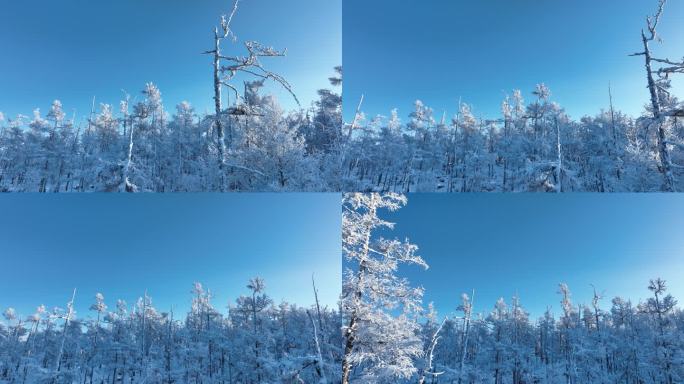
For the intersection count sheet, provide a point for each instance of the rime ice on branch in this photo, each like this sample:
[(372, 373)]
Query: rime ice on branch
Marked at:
[(379, 344), (223, 74), (662, 104)]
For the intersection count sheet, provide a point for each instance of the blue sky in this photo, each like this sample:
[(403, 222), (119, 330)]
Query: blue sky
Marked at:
[(121, 245), (73, 50), (500, 244), (439, 51)]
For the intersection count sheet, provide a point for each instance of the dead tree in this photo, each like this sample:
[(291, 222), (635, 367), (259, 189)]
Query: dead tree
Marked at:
[(128, 186), (559, 153), (655, 88), (216, 52), (467, 308), (358, 116), (67, 320), (319, 361), (224, 74), (429, 370)]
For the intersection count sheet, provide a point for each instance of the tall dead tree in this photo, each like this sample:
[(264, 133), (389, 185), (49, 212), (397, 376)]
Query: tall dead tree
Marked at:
[(128, 185), (224, 74), (467, 308), (216, 52), (655, 89), (319, 361), (67, 320), (429, 370)]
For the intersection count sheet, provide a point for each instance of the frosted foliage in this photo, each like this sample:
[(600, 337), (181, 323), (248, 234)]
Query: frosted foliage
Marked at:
[(380, 308), (584, 345), (534, 148), (99, 304), (9, 314), (56, 113), (530, 147), (271, 150), (251, 342)]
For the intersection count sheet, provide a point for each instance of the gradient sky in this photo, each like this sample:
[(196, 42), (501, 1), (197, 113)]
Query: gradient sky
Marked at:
[(73, 50), (439, 51), (500, 244), (121, 245)]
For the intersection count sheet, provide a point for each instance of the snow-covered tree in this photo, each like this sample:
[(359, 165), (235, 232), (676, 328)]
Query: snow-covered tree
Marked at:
[(380, 308)]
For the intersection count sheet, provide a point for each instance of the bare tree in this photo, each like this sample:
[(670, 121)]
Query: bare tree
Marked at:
[(430, 357), (128, 186), (249, 64), (319, 355), (467, 308), (357, 117), (655, 89), (67, 319)]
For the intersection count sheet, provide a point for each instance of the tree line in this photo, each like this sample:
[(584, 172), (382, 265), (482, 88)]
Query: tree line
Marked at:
[(532, 146), (255, 341)]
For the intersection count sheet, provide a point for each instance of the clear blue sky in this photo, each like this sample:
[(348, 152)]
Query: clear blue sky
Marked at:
[(121, 245), (439, 51), (498, 244), (73, 50)]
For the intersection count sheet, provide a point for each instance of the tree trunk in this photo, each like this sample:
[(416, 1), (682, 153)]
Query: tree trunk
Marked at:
[(221, 145), (663, 153), (350, 334)]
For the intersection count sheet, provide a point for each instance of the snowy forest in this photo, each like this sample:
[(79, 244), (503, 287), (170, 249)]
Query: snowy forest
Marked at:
[(247, 143), (391, 337), (255, 341), (533, 146)]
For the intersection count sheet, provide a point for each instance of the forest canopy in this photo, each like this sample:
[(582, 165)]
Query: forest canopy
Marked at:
[(255, 341)]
